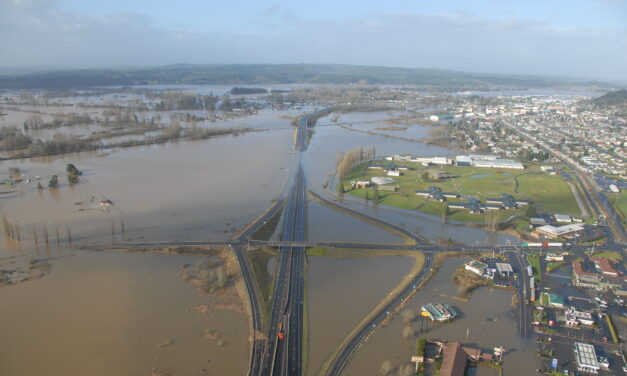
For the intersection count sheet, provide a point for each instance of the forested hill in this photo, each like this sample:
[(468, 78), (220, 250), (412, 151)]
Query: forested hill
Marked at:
[(613, 98), (279, 74)]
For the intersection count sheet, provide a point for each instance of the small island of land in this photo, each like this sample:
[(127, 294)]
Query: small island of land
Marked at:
[(541, 191)]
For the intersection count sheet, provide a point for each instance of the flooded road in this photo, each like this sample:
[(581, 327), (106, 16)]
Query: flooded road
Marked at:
[(487, 319), (103, 314), (343, 291)]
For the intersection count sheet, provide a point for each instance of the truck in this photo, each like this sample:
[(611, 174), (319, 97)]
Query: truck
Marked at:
[(529, 271), (544, 245), (281, 334)]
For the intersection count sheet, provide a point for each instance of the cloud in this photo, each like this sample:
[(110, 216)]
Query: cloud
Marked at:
[(38, 33)]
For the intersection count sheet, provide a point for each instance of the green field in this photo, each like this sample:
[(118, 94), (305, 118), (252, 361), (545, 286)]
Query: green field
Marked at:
[(534, 261), (550, 193), (620, 202)]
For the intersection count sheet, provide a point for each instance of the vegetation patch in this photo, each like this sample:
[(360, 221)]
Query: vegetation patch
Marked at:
[(259, 265), (555, 265), (534, 261), (467, 281)]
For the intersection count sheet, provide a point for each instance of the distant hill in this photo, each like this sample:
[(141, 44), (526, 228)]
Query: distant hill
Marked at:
[(613, 98), (252, 74)]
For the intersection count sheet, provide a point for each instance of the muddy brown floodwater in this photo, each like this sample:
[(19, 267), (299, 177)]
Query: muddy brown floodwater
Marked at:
[(117, 314), (202, 190), (341, 292), (127, 314), (487, 318)]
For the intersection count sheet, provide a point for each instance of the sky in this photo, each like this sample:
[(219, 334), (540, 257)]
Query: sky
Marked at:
[(576, 38)]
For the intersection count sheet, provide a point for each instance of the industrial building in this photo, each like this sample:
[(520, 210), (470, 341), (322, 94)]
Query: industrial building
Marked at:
[(562, 218), (487, 161), (586, 358), (553, 232)]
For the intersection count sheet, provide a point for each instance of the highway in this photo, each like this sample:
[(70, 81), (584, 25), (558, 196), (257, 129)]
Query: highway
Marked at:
[(338, 363), (284, 356), (525, 310)]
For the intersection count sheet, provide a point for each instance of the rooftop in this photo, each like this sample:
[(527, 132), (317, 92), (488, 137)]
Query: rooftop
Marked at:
[(503, 267), (586, 356), (476, 264), (562, 230)]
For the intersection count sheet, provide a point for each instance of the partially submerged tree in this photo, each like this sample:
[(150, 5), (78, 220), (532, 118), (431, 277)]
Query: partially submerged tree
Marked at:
[(72, 173), (54, 182)]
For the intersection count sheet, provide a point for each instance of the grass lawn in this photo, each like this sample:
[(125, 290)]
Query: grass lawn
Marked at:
[(550, 192), (534, 261), (317, 251), (521, 225), (608, 254), (555, 265), (620, 202)]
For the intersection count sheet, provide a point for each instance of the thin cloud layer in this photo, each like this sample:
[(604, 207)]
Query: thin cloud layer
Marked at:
[(36, 33)]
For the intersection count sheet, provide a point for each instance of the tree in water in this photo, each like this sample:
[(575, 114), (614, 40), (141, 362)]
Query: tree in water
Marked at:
[(54, 182), (72, 173)]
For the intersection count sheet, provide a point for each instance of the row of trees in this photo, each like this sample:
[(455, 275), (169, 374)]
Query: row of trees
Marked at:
[(12, 138), (35, 121), (347, 161)]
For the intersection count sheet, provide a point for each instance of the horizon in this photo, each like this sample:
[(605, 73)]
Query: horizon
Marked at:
[(560, 39)]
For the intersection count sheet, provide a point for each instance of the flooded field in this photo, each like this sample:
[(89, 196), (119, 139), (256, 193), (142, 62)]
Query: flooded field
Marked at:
[(487, 319), (343, 291), (328, 225), (194, 190), (103, 313)]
